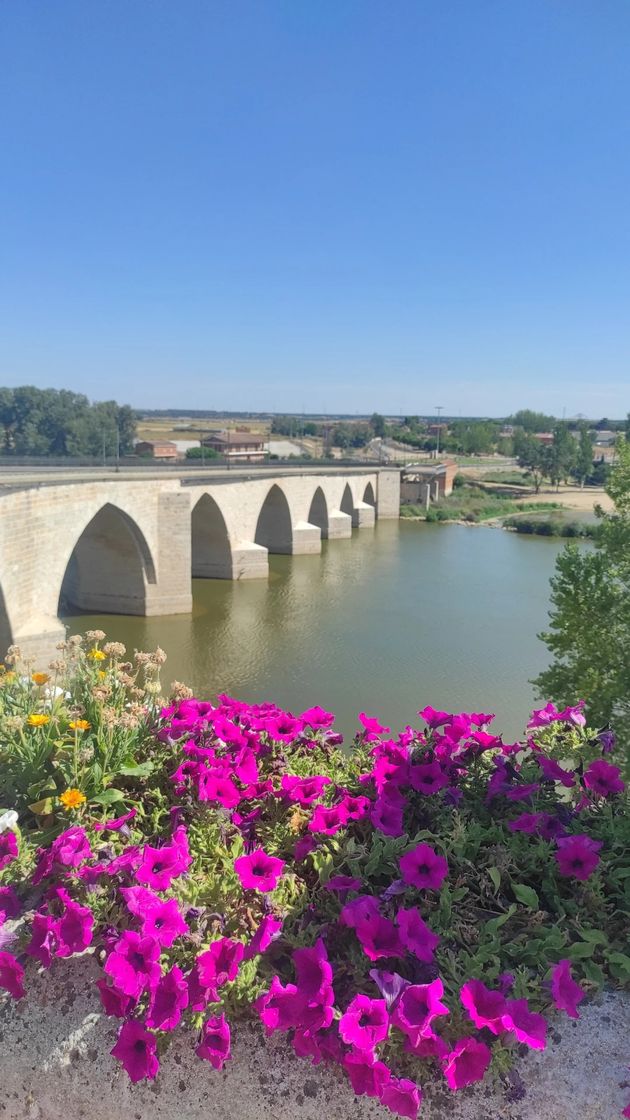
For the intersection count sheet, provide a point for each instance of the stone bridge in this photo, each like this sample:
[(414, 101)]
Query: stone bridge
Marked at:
[(130, 544)]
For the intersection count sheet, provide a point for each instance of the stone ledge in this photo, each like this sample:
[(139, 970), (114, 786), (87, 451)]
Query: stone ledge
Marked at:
[(55, 1065)]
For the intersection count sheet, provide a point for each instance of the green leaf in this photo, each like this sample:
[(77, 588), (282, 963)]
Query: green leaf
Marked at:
[(108, 797), (495, 875), (581, 950), (495, 923), (43, 807), (619, 965), (526, 895), (140, 770), (597, 936)]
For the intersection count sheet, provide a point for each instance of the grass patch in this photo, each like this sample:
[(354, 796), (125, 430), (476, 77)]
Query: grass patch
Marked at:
[(472, 504)]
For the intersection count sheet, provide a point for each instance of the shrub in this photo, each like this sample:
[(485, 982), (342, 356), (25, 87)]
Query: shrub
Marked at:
[(411, 909)]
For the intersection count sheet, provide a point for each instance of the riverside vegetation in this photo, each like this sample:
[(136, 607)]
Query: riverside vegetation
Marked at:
[(410, 911)]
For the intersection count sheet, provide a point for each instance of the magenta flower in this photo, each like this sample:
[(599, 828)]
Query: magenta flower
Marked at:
[(402, 1097), (215, 1042), (428, 777), (316, 717), (355, 808), (314, 973), (527, 822), (114, 1003), (427, 1045), (367, 1077), (303, 790), (10, 904), (267, 932), (341, 884), (577, 856), (379, 937), (168, 999), (74, 929), (466, 1063), (528, 1026), (358, 910), (604, 779), (133, 964), (161, 918), (11, 976), (553, 772), (388, 815), (432, 717), (328, 821), (418, 1006), (565, 991), (116, 824), (485, 1007), (281, 1008), (541, 717), (137, 1051), (258, 871), (423, 868), (44, 938), (8, 848), (416, 935), (364, 1023), (219, 964), (219, 788), (372, 726), (160, 866)]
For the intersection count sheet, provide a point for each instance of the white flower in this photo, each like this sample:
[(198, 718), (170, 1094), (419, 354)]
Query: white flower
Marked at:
[(8, 820)]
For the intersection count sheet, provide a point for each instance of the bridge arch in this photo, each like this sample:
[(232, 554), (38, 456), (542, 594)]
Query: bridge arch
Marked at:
[(318, 512), (368, 495), (347, 501), (211, 548), (110, 566), (6, 635), (274, 528)]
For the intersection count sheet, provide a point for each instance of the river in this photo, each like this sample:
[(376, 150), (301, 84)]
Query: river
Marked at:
[(386, 622)]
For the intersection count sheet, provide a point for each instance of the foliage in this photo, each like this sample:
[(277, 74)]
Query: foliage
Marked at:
[(532, 421), (472, 503), (352, 900), (201, 453), (584, 456), (531, 456), (589, 631), (51, 422), (551, 527)]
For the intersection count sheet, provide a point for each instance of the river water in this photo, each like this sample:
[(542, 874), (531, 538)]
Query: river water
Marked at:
[(406, 615)]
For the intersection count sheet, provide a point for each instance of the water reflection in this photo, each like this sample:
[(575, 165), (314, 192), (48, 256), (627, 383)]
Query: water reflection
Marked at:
[(385, 621)]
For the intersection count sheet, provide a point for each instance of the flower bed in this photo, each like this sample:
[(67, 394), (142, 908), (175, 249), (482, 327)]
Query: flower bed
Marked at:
[(410, 911)]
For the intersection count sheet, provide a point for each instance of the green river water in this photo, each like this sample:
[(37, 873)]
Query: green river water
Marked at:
[(391, 620)]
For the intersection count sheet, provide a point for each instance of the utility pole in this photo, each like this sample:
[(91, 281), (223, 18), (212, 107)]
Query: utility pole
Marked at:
[(438, 408), (117, 448)]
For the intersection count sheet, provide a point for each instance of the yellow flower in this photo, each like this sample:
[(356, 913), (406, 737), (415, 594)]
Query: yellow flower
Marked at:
[(72, 798), (101, 674), (80, 725), (38, 719), (96, 655), (40, 678)]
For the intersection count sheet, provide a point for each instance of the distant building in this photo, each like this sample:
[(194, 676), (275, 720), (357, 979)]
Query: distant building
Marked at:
[(237, 446), (544, 437), (605, 439), (162, 449), (604, 454), (437, 429), (420, 484)]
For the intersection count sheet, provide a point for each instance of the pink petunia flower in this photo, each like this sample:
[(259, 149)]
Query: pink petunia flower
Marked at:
[(114, 1003), (379, 937), (258, 871), (564, 989), (367, 1077), (553, 772), (9, 902), (316, 717), (74, 929), (423, 868), (604, 779), (416, 935), (160, 866), (161, 918), (136, 1049), (364, 1023), (267, 932), (388, 816), (418, 1006), (11, 976), (577, 856), (169, 998), (314, 973), (328, 820), (402, 1097), (428, 778), (8, 848), (371, 726), (219, 964), (218, 788), (133, 963), (432, 717), (358, 910), (215, 1042), (485, 1007), (466, 1063), (44, 938), (528, 1026), (341, 884), (116, 824), (303, 790)]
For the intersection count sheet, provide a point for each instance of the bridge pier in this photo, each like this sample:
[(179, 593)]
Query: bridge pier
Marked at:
[(171, 592), (307, 539), (364, 516), (339, 525), (249, 561)]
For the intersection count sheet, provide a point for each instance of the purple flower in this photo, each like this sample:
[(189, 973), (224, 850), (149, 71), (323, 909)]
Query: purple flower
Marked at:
[(390, 985), (328, 821), (215, 1041), (314, 973), (607, 739), (8, 848), (11, 976), (137, 1051), (160, 866), (354, 808), (316, 717), (268, 931), (367, 1077), (527, 822), (423, 868), (258, 871), (402, 1097), (566, 993), (341, 884), (553, 772), (169, 997), (44, 938), (604, 779), (358, 910), (416, 935), (303, 790), (9, 902), (387, 815), (161, 918), (114, 1002), (133, 964), (577, 856), (428, 777), (418, 1006), (379, 937), (528, 1026), (219, 964), (219, 788), (364, 1023), (116, 824), (466, 1063), (372, 726), (540, 717), (74, 929), (432, 717), (485, 1007)]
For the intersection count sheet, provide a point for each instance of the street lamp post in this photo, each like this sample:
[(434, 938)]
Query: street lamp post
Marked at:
[(438, 408)]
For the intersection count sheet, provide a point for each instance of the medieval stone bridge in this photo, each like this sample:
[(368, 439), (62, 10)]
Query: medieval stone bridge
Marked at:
[(129, 544)]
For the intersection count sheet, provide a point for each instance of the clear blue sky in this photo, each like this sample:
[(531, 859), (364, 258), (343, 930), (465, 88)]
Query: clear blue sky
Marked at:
[(337, 205)]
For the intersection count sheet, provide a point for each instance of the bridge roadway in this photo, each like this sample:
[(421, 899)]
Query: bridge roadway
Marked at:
[(127, 541)]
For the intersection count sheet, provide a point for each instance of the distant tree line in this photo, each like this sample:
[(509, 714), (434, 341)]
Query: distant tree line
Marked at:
[(56, 423)]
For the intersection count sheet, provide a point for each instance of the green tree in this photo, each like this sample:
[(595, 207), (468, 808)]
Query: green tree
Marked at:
[(377, 424), (589, 631), (561, 455), (530, 454), (532, 421), (584, 458)]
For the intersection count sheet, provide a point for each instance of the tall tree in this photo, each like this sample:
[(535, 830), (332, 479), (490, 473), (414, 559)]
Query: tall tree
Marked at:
[(530, 454), (584, 457), (561, 455)]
